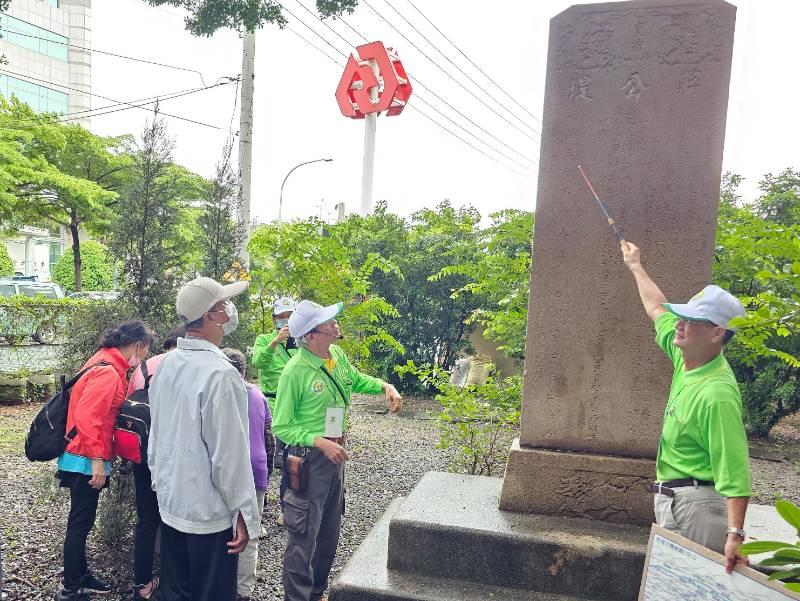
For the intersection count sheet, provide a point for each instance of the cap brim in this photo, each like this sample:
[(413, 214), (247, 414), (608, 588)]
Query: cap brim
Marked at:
[(235, 289), (685, 311), (330, 312)]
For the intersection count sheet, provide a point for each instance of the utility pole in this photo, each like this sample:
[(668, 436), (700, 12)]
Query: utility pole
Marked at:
[(368, 167), (246, 140)]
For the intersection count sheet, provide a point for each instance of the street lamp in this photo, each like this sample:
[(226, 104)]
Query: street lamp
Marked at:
[(280, 201)]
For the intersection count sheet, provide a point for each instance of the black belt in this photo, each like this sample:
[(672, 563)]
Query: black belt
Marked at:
[(665, 488)]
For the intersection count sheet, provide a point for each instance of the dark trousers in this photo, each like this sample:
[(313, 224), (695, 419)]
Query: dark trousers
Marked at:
[(313, 520), (82, 512), (197, 567), (148, 521)]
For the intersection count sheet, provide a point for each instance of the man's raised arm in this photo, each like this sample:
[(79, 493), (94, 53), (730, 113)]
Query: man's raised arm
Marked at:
[(651, 295)]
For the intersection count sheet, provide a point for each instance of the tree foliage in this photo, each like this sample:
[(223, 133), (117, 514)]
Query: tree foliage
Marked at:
[(222, 236), (97, 268), (60, 173), (205, 17), (6, 264), (150, 236), (758, 259)]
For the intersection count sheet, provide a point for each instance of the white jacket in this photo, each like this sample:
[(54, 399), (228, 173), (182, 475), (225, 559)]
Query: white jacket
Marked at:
[(198, 451)]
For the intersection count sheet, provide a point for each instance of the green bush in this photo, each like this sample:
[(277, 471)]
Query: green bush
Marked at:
[(97, 268), (6, 264), (785, 556), (476, 420)]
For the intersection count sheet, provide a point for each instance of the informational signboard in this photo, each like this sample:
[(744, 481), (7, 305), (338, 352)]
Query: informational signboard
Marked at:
[(677, 568)]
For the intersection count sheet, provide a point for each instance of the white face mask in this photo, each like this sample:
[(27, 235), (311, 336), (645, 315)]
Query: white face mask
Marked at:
[(233, 313), (281, 323)]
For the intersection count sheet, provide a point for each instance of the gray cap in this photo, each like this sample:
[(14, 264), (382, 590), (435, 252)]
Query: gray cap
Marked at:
[(197, 297)]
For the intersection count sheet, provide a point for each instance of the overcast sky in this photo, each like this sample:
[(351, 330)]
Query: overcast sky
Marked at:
[(417, 163)]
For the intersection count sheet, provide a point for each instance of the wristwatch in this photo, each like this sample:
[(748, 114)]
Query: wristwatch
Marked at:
[(738, 531)]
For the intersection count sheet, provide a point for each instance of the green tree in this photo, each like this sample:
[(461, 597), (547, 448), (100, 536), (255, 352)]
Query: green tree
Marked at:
[(6, 264), (758, 259), (80, 174), (499, 280), (206, 17), (222, 236), (304, 260), (151, 236), (97, 268), (432, 325)]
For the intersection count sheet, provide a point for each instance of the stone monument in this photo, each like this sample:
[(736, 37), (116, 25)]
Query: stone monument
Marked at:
[(637, 93)]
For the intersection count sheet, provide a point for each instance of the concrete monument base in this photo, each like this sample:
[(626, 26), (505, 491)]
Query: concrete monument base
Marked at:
[(448, 540), (579, 485)]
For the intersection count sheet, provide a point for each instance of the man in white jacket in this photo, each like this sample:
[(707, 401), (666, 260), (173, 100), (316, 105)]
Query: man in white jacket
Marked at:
[(198, 451)]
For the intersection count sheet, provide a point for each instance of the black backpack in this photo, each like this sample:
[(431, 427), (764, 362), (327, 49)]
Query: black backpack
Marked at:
[(133, 424), (48, 436)]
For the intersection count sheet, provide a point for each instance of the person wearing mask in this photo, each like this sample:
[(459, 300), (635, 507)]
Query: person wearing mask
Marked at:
[(311, 417), (260, 419), (271, 353), (148, 520), (85, 465), (198, 451)]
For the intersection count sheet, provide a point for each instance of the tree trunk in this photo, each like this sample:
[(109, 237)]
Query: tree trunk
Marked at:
[(76, 249)]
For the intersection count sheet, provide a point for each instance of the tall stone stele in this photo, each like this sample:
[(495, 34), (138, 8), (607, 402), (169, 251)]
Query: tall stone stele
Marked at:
[(637, 93)]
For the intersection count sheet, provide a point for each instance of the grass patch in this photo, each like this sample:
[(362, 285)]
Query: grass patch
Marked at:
[(14, 425)]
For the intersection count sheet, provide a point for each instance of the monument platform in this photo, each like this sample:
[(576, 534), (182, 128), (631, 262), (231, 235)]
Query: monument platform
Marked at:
[(448, 540)]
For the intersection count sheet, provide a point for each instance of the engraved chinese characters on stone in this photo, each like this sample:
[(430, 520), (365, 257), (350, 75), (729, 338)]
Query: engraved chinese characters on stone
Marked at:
[(690, 79), (633, 86), (579, 88), (685, 34)]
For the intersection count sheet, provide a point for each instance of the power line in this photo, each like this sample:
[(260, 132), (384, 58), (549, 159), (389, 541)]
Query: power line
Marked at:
[(486, 75), (443, 70), (130, 58), (318, 49), (482, 89), (230, 80), (429, 90), (83, 114)]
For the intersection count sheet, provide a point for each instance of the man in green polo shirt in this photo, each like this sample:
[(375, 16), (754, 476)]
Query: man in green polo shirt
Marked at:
[(271, 352), (311, 417), (702, 470)]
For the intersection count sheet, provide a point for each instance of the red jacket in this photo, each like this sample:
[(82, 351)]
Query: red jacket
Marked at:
[(94, 404)]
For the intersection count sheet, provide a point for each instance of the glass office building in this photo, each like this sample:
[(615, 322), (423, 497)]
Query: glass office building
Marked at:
[(46, 44)]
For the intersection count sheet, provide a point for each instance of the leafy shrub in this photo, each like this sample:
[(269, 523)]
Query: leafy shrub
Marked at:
[(116, 513), (476, 420), (6, 264), (785, 555), (97, 268)]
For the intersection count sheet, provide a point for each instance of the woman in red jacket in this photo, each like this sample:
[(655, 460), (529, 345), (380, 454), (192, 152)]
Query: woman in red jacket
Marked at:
[(84, 467)]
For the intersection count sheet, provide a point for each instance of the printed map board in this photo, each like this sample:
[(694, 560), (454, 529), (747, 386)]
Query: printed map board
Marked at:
[(677, 568)]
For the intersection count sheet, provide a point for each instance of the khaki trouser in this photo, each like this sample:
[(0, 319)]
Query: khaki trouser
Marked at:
[(697, 512), (248, 559)]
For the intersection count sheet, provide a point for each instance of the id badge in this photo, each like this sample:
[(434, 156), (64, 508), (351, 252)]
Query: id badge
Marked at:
[(334, 422)]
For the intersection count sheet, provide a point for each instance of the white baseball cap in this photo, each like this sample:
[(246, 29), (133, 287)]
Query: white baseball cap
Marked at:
[(712, 304), (308, 315), (283, 304), (196, 298)]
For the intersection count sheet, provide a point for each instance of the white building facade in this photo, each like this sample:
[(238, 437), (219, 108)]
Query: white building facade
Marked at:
[(46, 44)]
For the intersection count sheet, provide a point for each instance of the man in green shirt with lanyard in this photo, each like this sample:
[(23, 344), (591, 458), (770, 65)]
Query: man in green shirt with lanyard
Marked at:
[(311, 417), (702, 470)]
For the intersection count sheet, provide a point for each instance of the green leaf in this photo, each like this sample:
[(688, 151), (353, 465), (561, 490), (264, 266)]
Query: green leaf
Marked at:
[(793, 586), (789, 512), (762, 546), (791, 553), (773, 562), (782, 574)]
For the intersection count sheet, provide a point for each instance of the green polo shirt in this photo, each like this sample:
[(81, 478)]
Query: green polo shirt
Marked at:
[(703, 435), (305, 393), (270, 363)]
